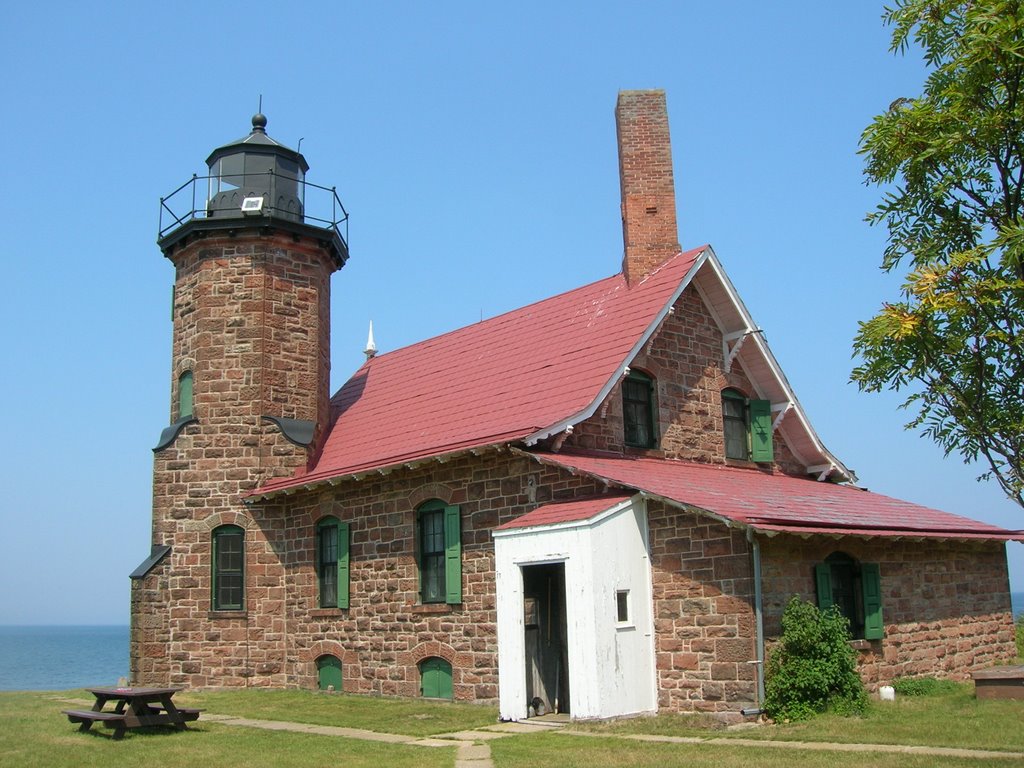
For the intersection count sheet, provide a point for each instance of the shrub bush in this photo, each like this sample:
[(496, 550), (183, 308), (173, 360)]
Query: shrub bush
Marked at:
[(813, 668), (923, 686)]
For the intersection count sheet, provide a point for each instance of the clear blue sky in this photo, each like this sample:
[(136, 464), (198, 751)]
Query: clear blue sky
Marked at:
[(474, 145)]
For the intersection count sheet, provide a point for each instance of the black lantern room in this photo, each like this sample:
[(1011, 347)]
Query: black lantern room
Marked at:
[(254, 182), (256, 175)]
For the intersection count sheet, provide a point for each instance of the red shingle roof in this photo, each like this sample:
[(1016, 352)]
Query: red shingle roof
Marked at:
[(778, 502), (565, 511), (497, 381)]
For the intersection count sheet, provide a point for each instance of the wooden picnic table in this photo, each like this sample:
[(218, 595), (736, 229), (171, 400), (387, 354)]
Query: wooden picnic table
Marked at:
[(133, 708)]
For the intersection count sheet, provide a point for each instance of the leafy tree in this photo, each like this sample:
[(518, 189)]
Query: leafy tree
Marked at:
[(813, 668), (950, 163)]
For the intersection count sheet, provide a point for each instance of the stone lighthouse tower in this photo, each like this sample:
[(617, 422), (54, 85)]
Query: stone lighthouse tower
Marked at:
[(253, 246)]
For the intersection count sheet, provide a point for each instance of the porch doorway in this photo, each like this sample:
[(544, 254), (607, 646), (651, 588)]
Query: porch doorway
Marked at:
[(544, 615)]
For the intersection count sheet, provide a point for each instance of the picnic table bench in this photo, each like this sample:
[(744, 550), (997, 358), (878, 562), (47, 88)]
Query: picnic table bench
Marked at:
[(134, 708)]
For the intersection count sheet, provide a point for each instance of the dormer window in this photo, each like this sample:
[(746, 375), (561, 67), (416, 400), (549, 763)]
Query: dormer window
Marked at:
[(747, 426), (638, 410)]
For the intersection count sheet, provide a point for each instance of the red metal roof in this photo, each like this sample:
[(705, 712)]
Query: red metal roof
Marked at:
[(566, 511), (493, 382), (775, 502)]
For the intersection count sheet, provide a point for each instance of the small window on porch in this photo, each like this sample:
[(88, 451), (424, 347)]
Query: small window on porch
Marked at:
[(622, 606)]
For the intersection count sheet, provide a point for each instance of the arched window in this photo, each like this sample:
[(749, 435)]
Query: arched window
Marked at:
[(328, 673), (185, 395), (638, 412), (439, 552), (332, 569), (747, 426), (854, 588), (435, 679), (228, 568)]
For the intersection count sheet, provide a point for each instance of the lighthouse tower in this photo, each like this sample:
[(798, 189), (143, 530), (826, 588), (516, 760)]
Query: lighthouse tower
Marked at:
[(253, 246)]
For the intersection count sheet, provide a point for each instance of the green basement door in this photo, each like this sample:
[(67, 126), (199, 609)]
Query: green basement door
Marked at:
[(436, 679), (328, 671)]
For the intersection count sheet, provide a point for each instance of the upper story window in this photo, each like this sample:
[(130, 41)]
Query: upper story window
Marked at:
[(228, 568), (748, 427), (185, 395), (855, 589), (638, 410), (439, 552), (332, 562)]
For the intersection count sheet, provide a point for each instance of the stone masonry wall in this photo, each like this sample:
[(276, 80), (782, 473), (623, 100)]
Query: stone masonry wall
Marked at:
[(685, 357), (703, 613), (385, 633), (250, 322), (945, 604)]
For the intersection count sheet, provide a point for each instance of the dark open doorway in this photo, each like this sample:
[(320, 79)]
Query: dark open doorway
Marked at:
[(547, 674)]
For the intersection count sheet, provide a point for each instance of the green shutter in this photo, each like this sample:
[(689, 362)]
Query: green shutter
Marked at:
[(871, 584), (823, 578), (452, 555), (761, 430), (343, 569)]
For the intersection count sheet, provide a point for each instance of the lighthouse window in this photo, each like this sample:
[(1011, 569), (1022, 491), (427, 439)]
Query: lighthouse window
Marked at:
[(227, 174), (185, 395), (228, 568)]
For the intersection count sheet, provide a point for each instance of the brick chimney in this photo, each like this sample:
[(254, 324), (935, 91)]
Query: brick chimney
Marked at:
[(649, 231)]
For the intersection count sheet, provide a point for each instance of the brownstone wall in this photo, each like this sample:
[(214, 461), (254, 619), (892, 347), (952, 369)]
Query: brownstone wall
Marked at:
[(251, 323), (703, 613), (685, 357), (251, 320), (385, 633), (945, 605)]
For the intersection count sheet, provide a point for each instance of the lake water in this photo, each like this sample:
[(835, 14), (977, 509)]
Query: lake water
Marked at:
[(58, 658)]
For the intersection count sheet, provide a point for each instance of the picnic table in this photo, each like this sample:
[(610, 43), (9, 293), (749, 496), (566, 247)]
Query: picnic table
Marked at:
[(133, 708)]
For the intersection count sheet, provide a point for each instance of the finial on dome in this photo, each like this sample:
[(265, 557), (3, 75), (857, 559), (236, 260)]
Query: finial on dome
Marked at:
[(259, 122), (371, 347)]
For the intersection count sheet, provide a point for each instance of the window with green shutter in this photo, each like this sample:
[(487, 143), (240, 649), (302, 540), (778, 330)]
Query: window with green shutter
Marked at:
[(748, 427), (332, 562), (855, 589), (439, 552), (436, 679)]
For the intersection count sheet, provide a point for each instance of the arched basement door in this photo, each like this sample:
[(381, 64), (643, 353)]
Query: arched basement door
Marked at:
[(328, 673), (436, 679)]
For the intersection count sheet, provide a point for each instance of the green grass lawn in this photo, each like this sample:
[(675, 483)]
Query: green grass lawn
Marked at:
[(411, 717), (579, 751), (34, 733), (951, 719)]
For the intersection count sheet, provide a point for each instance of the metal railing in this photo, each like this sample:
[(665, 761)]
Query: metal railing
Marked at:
[(321, 206)]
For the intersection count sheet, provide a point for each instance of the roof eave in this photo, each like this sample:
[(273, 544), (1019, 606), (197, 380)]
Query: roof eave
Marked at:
[(825, 463), (293, 485), (771, 530), (621, 369)]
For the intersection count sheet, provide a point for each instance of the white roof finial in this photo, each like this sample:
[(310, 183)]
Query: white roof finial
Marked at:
[(371, 347)]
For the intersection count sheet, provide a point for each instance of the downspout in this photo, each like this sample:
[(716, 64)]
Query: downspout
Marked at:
[(758, 623)]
